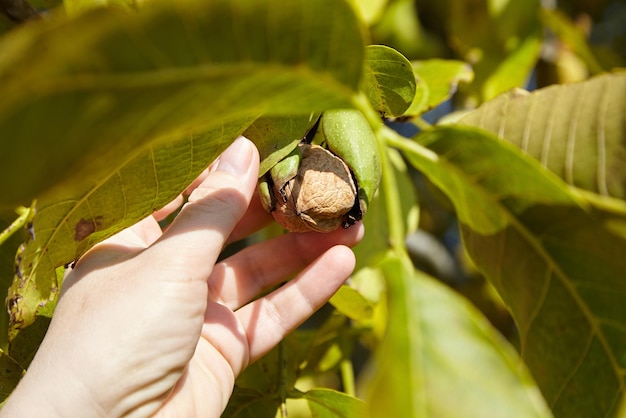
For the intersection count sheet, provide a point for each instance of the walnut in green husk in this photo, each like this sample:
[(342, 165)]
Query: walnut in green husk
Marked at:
[(317, 195), (320, 189)]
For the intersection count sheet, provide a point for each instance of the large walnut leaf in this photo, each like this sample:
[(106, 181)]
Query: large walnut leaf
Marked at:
[(80, 92), (555, 262)]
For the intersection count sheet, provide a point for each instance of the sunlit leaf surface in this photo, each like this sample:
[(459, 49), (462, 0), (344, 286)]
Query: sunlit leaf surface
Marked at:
[(331, 403), (173, 68), (277, 136), (575, 130), (440, 356), (555, 264), (388, 80), (437, 82)]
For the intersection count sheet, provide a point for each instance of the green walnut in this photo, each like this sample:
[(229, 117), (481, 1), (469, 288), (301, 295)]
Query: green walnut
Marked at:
[(320, 188)]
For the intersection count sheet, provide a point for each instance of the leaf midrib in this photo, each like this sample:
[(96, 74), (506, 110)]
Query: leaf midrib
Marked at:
[(171, 76)]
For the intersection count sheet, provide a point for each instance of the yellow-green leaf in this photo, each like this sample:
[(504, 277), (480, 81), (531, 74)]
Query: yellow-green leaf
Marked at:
[(437, 82), (575, 130), (555, 264), (10, 374), (352, 303), (277, 136), (328, 403), (171, 69), (388, 80), (441, 358)]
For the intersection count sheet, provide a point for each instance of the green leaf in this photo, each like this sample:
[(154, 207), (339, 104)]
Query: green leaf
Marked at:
[(14, 230), (352, 303), (369, 282), (10, 374), (577, 130), (388, 80), (328, 403), (275, 372), (24, 345), (170, 70), (514, 70), (78, 6), (553, 261), (437, 82), (260, 388), (277, 136), (247, 403), (441, 358), (326, 346)]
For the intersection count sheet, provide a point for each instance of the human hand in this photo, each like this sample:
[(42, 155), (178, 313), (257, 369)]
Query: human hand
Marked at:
[(149, 324)]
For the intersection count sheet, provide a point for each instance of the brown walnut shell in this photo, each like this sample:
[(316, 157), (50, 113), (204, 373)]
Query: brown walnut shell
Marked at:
[(319, 196)]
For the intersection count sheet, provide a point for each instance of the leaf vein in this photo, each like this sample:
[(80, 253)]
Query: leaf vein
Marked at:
[(601, 141), (535, 312), (573, 371)]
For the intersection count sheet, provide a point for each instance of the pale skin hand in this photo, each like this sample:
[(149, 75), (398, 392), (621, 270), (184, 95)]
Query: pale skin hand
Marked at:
[(148, 324)]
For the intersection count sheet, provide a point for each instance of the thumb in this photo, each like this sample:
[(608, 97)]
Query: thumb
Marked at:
[(195, 238)]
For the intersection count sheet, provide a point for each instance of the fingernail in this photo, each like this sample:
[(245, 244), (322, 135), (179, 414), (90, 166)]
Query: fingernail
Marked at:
[(236, 159)]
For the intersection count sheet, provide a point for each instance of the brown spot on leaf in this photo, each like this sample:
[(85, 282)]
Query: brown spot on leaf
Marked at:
[(83, 229)]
